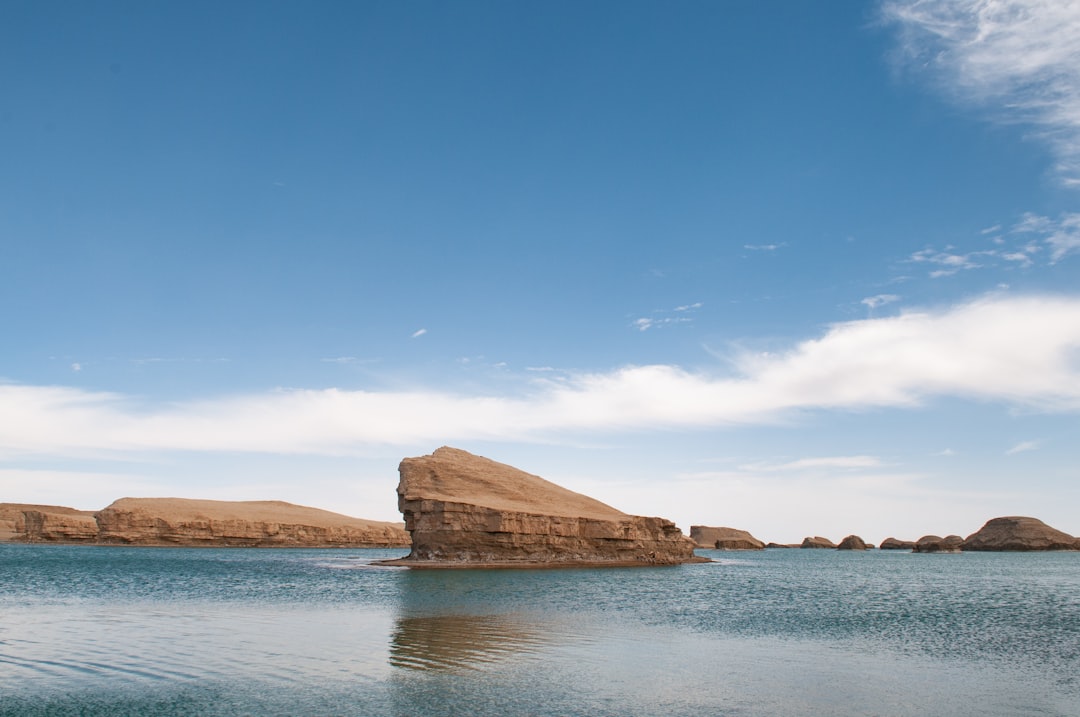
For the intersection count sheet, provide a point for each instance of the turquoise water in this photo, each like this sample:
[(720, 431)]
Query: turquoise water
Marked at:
[(144, 631)]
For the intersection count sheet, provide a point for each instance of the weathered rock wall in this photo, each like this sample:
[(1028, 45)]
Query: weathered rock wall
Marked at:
[(42, 526), (457, 532), (462, 509)]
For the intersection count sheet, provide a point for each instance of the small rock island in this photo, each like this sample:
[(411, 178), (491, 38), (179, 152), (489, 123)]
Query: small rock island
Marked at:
[(464, 510)]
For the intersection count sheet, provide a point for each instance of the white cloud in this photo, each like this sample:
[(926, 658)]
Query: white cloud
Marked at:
[(418, 333), (874, 302), (1016, 351), (764, 247), (661, 318), (829, 463), (1018, 58), (1062, 235), (950, 262), (76, 367), (1022, 447)]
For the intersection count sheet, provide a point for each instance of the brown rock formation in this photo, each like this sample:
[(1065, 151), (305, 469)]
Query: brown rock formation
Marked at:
[(817, 542), (272, 523), (467, 510), (894, 544), (852, 542), (724, 538), (783, 545), (1020, 534), (45, 523), (937, 544)]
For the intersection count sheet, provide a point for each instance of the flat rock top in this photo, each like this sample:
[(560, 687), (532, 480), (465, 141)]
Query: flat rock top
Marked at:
[(254, 511), (456, 476), (10, 510)]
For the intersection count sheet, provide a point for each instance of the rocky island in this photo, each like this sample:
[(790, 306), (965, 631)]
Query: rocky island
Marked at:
[(187, 522), (464, 510), (724, 538)]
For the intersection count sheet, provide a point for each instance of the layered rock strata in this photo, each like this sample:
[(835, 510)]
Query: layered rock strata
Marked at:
[(272, 523), (46, 523), (724, 538), (894, 544), (464, 510), (817, 542), (1018, 533), (184, 522)]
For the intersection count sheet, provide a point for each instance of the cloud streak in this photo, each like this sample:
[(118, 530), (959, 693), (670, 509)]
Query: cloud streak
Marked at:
[(1016, 351), (1019, 58)]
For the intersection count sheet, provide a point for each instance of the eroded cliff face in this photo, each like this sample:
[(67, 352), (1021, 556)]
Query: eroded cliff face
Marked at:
[(462, 509), (182, 522), (174, 521), (46, 523)]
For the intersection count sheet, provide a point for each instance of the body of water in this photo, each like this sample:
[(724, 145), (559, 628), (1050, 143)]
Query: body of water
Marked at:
[(94, 631)]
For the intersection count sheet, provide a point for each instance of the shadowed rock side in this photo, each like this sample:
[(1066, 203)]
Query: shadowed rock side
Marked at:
[(1020, 534), (724, 538), (177, 521), (464, 510)]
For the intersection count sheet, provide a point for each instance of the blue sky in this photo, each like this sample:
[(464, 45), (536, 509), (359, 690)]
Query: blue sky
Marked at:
[(797, 268)]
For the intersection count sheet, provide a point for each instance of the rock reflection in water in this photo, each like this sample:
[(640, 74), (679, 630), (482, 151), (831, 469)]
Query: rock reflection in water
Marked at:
[(447, 642)]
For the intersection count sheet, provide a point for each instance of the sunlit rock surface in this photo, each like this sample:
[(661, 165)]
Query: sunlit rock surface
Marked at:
[(464, 510)]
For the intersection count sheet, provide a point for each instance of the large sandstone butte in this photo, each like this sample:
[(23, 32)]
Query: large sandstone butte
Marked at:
[(724, 538), (1021, 534), (184, 522), (464, 510)]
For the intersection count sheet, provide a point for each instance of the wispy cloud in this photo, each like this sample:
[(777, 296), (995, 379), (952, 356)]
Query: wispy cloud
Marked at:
[(418, 333), (827, 463), (667, 317), (76, 367), (1062, 235), (764, 247), (1016, 351), (1020, 59), (949, 261), (873, 302), (1022, 447)]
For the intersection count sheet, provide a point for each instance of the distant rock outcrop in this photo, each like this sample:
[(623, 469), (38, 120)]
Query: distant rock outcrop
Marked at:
[(179, 521), (464, 510), (1020, 534), (724, 538), (937, 544), (46, 523), (183, 522), (894, 544), (817, 542), (852, 542)]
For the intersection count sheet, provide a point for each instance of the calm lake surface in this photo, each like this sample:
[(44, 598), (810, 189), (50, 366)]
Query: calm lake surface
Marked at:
[(146, 631)]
